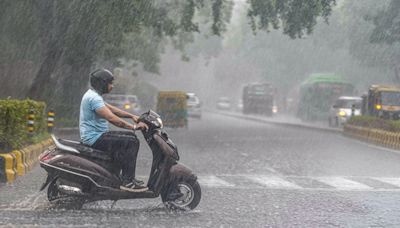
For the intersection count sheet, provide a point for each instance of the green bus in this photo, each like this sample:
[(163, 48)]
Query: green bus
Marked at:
[(318, 93)]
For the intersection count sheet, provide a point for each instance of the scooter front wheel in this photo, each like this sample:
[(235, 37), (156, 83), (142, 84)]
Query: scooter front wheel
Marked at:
[(191, 195)]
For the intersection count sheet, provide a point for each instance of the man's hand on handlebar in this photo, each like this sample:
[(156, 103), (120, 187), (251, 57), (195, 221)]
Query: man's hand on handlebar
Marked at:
[(141, 126), (135, 119)]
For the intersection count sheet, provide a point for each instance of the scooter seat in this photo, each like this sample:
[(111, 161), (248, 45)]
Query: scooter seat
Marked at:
[(86, 150)]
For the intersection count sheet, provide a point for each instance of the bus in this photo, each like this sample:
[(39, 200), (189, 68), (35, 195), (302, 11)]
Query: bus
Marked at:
[(318, 93), (258, 98)]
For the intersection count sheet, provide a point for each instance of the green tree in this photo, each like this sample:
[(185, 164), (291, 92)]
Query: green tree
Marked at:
[(63, 40), (387, 31)]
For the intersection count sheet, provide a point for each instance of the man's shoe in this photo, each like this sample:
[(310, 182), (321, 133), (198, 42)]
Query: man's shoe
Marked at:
[(132, 187), (137, 182)]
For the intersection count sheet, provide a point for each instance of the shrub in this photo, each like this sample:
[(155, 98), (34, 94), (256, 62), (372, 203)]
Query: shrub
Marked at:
[(13, 122), (375, 122)]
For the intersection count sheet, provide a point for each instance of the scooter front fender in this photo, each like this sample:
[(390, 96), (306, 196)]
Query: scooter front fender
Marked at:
[(179, 172)]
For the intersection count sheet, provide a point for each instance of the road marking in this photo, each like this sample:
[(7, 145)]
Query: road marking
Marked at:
[(343, 183), (273, 182), (389, 180), (213, 181), (301, 183)]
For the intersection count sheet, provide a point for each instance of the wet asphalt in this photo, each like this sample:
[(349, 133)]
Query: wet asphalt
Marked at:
[(252, 175)]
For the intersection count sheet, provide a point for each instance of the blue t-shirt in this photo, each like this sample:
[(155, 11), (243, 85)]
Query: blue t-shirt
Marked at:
[(91, 125)]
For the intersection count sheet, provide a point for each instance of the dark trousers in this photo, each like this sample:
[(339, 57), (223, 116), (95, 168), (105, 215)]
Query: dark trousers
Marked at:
[(124, 147)]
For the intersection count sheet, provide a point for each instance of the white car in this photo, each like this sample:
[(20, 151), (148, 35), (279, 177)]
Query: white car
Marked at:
[(193, 105), (343, 108), (224, 103), (129, 103)]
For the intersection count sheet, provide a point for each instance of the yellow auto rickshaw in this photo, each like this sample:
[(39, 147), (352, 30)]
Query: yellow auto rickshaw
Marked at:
[(172, 107)]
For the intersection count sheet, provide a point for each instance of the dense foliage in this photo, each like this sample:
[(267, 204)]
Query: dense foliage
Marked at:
[(376, 123), (13, 123)]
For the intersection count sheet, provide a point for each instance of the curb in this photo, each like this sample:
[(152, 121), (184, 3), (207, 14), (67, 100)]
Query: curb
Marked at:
[(19, 162)]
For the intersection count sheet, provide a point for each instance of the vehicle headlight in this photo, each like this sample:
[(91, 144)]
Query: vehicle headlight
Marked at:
[(127, 106), (160, 123), (342, 113), (378, 107)]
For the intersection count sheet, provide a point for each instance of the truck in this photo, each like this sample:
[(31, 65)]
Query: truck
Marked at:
[(258, 98), (382, 101)]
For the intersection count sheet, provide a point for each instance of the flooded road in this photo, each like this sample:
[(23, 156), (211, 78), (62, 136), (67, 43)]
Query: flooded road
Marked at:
[(252, 175)]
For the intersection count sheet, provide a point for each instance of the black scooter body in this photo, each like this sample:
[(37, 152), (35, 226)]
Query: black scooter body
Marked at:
[(75, 170)]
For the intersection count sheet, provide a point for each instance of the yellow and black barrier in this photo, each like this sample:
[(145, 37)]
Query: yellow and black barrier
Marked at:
[(375, 136), (9, 171), (50, 120), (19, 162), (31, 121)]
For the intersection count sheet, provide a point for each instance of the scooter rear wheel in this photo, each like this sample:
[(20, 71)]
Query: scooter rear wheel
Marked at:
[(60, 199), (191, 196)]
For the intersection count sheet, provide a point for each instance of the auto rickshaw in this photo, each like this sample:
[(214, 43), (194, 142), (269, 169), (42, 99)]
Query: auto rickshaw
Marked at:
[(172, 107), (382, 101)]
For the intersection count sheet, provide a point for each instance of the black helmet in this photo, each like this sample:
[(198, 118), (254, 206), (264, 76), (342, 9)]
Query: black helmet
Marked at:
[(99, 80)]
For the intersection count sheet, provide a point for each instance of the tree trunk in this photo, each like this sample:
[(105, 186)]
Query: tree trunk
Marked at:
[(71, 89), (42, 84)]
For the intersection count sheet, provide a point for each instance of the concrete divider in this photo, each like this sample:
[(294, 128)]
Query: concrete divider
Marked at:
[(19, 162), (375, 136), (9, 167), (3, 177), (20, 166), (28, 157)]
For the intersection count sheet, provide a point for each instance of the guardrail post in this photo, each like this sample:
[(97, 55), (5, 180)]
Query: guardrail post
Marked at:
[(50, 120), (31, 122)]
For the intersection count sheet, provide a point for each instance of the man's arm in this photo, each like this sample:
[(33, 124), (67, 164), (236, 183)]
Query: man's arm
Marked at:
[(107, 114), (121, 113)]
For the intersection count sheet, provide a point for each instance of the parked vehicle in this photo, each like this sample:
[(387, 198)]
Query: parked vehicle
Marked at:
[(172, 107), (343, 108), (193, 105), (382, 101), (224, 103), (129, 103), (77, 174)]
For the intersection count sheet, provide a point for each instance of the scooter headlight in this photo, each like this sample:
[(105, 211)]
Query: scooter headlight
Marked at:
[(160, 123)]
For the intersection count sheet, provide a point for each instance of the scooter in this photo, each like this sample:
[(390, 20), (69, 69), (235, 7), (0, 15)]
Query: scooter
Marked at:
[(78, 174)]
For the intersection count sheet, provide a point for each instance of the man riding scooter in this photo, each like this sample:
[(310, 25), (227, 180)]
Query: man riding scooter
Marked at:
[(93, 126)]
